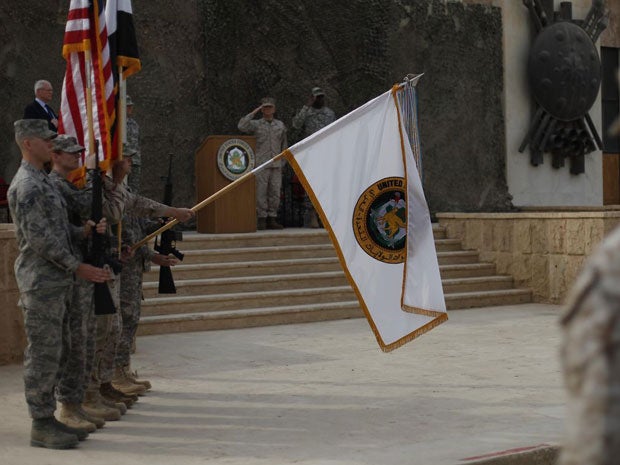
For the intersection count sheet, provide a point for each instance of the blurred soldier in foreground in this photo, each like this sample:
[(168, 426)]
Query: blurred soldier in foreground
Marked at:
[(44, 270), (591, 358), (313, 116)]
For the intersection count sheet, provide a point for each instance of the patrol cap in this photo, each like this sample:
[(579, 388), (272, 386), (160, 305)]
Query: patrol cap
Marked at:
[(33, 128), (317, 91), (268, 102), (129, 150), (128, 101), (67, 143)]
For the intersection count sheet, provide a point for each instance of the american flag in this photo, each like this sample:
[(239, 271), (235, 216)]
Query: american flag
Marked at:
[(86, 31)]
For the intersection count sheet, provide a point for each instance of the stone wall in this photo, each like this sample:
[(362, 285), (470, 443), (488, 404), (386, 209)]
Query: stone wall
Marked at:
[(206, 63), (12, 338), (541, 250)]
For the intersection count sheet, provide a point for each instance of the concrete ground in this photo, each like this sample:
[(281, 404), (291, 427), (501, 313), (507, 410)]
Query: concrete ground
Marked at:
[(487, 380)]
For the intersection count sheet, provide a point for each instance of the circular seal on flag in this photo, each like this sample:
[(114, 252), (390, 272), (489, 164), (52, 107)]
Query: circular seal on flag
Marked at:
[(380, 220), (235, 157)]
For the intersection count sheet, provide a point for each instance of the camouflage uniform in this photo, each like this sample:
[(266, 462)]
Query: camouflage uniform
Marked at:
[(590, 354), (44, 271), (270, 141), (136, 209), (82, 320), (310, 120), (133, 140)]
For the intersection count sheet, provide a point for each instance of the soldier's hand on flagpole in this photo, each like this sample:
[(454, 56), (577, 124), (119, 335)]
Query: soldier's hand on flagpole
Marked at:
[(183, 214), (93, 273), (120, 169), (100, 227), (165, 260)]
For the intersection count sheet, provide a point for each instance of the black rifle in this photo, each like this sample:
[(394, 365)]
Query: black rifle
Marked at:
[(104, 305), (167, 241)]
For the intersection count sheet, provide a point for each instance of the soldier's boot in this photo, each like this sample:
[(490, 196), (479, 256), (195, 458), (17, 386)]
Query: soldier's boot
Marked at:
[(311, 220), (79, 432), (92, 405), (108, 392), (133, 376), (261, 224), (68, 415), (97, 421), (122, 383), (117, 405), (273, 224), (45, 432)]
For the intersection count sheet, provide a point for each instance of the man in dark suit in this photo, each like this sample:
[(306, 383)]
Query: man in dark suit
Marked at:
[(40, 109)]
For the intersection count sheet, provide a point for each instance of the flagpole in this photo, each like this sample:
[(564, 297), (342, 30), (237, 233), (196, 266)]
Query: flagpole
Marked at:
[(89, 108), (212, 198), (121, 128)]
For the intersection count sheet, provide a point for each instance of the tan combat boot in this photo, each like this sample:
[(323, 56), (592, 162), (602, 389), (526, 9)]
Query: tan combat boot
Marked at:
[(121, 382), (47, 432), (133, 376), (68, 415), (272, 223), (97, 421), (93, 406)]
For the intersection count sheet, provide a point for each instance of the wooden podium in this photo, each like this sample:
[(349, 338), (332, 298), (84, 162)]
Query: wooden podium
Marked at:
[(234, 212)]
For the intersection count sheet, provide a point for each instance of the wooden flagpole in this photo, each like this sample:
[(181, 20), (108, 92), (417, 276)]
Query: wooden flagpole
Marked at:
[(212, 198)]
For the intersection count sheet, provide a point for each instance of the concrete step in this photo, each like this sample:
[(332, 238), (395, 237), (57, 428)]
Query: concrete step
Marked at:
[(210, 286), (476, 284), (253, 254), (289, 236), (226, 301), (204, 321), (457, 257), (462, 300), (447, 245), (235, 269), (466, 270)]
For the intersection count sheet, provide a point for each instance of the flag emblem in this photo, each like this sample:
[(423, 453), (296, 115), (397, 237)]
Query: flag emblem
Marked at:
[(380, 220), (235, 157)]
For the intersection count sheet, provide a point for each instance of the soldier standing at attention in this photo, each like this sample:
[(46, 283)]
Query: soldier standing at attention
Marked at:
[(270, 141), (313, 116), (44, 270)]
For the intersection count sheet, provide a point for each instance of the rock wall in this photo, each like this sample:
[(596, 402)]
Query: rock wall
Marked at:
[(206, 63)]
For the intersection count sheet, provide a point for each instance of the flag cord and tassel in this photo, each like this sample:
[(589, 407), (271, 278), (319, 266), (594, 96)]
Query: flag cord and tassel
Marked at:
[(212, 198)]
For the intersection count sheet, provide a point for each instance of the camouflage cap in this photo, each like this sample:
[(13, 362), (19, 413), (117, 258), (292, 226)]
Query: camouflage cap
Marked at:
[(317, 91), (128, 101), (268, 102), (33, 128), (67, 143)]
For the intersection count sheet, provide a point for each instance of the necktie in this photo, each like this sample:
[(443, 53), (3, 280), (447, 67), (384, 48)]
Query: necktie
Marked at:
[(49, 111)]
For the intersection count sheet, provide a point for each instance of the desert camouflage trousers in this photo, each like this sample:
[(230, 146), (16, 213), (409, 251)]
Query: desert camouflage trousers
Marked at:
[(46, 324), (107, 335), (82, 325), (131, 297), (268, 186)]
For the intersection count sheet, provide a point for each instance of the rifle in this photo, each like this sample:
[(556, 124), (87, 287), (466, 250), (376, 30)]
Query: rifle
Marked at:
[(104, 305), (167, 241)]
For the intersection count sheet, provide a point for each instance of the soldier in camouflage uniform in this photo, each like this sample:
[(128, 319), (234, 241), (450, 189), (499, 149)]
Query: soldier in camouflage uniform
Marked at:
[(590, 355), (133, 141), (82, 320), (137, 208), (313, 116), (44, 270), (270, 141)]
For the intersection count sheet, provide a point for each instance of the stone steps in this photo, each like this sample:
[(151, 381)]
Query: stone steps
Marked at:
[(292, 276)]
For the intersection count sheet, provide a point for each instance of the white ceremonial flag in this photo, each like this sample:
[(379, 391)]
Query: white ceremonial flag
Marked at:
[(361, 176)]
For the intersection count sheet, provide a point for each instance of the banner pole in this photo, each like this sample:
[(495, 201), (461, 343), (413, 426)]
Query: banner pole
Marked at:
[(212, 198)]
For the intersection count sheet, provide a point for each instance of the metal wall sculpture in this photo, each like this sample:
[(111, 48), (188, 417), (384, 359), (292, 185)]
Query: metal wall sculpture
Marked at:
[(564, 73)]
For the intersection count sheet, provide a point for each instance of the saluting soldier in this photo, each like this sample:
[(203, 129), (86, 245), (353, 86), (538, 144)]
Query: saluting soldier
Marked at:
[(44, 269), (270, 141)]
